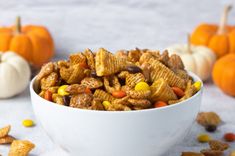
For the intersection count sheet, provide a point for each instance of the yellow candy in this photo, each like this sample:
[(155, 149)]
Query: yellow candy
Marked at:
[(203, 138), (197, 85), (28, 123), (106, 104), (61, 90), (142, 86)]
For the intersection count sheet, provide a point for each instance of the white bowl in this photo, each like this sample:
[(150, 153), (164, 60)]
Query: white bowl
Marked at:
[(149, 132)]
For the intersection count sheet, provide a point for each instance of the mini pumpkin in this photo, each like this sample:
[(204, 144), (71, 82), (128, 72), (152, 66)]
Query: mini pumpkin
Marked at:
[(224, 74), (14, 74), (221, 39), (32, 42), (198, 59)]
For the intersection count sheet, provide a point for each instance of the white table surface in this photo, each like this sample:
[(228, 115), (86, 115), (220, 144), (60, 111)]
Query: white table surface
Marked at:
[(78, 24)]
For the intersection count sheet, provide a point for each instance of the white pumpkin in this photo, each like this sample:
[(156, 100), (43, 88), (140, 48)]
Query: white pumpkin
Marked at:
[(198, 59), (14, 74)]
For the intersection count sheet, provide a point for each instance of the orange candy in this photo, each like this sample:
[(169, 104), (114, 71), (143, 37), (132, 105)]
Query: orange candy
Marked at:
[(48, 95), (88, 91), (160, 104), (119, 94), (179, 92), (230, 137)]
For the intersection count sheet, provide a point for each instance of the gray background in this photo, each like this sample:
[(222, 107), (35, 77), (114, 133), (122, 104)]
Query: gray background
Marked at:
[(78, 24), (114, 24)]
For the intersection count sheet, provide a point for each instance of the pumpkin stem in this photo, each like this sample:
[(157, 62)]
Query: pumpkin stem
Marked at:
[(189, 44), (224, 19), (18, 25)]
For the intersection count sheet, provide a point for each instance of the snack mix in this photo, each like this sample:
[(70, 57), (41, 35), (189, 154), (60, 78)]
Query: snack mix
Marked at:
[(127, 80)]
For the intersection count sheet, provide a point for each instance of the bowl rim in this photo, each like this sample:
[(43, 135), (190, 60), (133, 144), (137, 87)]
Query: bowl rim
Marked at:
[(194, 76)]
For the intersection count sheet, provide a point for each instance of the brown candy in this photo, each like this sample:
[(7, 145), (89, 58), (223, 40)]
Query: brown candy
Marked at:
[(133, 69)]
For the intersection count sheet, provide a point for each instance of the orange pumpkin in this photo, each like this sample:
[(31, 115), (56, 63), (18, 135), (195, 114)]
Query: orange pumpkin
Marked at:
[(224, 74), (32, 42), (221, 39)]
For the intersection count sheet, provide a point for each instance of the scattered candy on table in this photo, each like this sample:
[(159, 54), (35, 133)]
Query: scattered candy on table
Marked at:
[(229, 137), (203, 138), (28, 123)]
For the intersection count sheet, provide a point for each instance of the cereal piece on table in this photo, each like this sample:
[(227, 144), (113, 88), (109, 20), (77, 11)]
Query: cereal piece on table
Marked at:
[(218, 145), (159, 70), (6, 140), (107, 64), (81, 101), (57, 99), (208, 118), (175, 62), (76, 89), (161, 91), (72, 74), (210, 152), (203, 138), (141, 103), (49, 81), (133, 79), (77, 58), (139, 94), (45, 70), (92, 83), (90, 58), (104, 96), (4, 131), (28, 123), (191, 154), (20, 148)]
